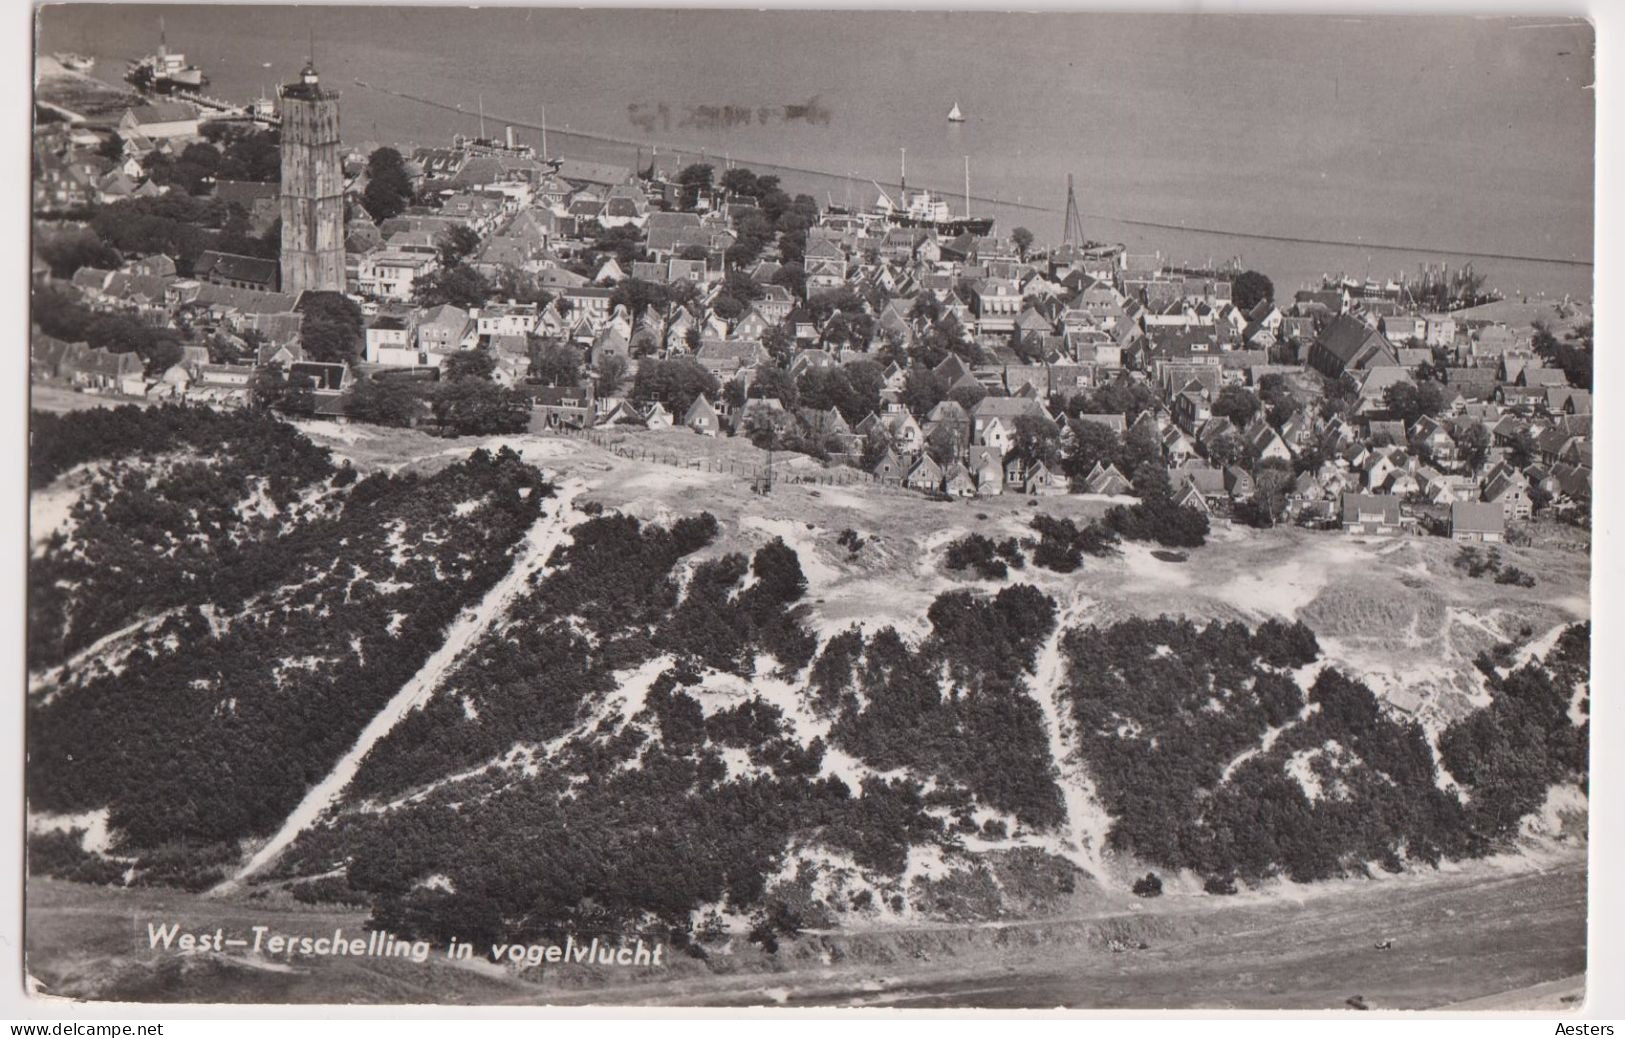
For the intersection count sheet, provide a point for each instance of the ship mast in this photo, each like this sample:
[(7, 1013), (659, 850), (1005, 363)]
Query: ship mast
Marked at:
[(967, 187), (902, 174), (544, 133)]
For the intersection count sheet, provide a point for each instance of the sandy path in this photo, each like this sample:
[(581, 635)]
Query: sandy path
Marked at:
[(47, 679), (543, 537), (1086, 820)]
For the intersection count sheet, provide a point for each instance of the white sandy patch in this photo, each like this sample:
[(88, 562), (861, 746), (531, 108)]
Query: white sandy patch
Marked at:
[(1084, 838), (97, 839), (1148, 570), (50, 509), (1547, 821), (321, 428)]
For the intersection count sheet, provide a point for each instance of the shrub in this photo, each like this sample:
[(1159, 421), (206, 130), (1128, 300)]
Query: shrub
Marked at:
[(1149, 885)]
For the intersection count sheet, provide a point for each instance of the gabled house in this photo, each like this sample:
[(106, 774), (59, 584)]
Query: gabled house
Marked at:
[(1366, 514), (702, 417)]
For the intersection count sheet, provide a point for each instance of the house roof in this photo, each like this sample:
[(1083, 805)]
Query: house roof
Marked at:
[(236, 268), (1477, 517), (1387, 504), (162, 112)]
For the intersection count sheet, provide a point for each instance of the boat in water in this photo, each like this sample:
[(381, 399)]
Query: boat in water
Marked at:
[(76, 62), (928, 211), (955, 115), (163, 72)]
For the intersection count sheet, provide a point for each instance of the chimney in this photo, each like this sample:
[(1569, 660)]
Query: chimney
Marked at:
[(510, 138)]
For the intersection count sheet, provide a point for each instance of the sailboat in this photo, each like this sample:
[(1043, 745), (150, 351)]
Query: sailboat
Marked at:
[(955, 115)]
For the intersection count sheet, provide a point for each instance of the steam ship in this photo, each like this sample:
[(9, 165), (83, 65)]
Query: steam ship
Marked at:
[(163, 72)]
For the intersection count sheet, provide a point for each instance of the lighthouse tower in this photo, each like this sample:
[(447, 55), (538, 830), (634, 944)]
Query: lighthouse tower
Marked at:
[(312, 187)]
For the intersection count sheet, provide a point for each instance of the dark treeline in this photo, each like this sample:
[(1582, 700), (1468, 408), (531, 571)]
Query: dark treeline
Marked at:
[(58, 442)]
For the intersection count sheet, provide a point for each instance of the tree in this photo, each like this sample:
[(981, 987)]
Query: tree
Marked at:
[(477, 364), (389, 186), (1472, 444), (1250, 289), (457, 243), (740, 182), (1022, 239), (1237, 404), (1037, 439), (461, 286), (793, 277), (332, 326), (945, 443), (967, 395), (774, 383), (611, 373), (676, 383), (557, 365), (387, 401), (1226, 448)]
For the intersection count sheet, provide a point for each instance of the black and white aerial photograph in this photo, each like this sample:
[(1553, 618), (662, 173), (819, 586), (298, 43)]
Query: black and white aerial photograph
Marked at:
[(807, 509)]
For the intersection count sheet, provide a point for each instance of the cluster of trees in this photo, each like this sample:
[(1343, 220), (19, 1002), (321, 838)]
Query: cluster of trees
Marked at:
[(155, 536), (389, 185), (217, 724), (1572, 353), (66, 250), (65, 316), (980, 732), (609, 601), (332, 328), (675, 383), (990, 560), (59, 442), (176, 225), (1172, 717), (225, 153)]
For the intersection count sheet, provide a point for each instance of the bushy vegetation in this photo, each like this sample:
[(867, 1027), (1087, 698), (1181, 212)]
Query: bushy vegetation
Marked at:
[(1173, 718), (610, 601), (990, 560), (1062, 544), (1507, 754), (1157, 518), (149, 535), (955, 706), (278, 649)]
